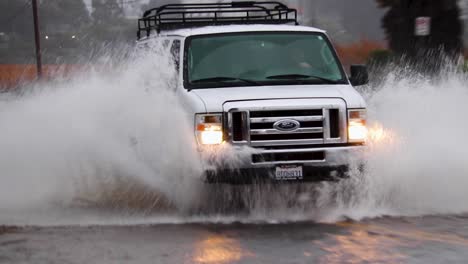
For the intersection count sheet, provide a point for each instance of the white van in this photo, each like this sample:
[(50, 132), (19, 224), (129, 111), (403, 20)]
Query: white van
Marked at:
[(252, 77)]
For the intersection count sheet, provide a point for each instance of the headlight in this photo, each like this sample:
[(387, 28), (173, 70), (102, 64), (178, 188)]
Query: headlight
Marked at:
[(357, 130), (209, 129)]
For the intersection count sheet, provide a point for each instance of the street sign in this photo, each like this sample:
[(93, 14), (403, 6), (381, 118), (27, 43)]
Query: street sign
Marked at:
[(422, 26)]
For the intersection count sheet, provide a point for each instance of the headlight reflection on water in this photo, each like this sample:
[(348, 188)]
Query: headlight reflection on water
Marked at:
[(219, 249)]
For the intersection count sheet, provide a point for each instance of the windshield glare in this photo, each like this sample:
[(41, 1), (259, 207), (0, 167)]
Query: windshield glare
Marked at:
[(261, 57)]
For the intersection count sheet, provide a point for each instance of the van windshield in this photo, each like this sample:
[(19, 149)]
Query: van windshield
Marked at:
[(272, 58)]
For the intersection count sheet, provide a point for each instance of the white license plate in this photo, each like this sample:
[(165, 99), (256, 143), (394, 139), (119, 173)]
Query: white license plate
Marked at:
[(289, 172)]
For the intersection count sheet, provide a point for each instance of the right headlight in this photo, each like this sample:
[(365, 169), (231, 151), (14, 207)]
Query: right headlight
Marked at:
[(357, 130), (209, 129)]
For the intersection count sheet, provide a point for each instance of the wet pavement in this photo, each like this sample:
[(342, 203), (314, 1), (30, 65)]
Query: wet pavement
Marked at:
[(436, 239)]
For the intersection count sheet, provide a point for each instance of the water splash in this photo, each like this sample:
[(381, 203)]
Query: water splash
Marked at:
[(417, 158), (84, 137), (95, 148)]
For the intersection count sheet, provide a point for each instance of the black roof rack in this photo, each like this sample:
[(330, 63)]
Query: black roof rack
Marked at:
[(175, 16)]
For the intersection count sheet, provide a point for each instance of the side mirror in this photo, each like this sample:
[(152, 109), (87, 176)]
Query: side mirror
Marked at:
[(359, 75)]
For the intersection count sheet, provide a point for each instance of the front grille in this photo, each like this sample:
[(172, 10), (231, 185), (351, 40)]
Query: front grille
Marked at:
[(290, 136), (311, 127), (263, 132), (285, 113), (237, 126), (334, 123), (269, 125)]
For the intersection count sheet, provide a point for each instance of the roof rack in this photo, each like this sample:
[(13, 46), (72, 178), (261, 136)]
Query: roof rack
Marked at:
[(174, 16)]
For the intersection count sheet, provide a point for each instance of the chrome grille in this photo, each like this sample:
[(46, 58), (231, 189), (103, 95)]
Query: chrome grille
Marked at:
[(318, 122), (263, 133)]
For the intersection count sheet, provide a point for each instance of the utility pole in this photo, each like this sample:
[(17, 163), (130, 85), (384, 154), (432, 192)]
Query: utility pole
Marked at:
[(37, 36)]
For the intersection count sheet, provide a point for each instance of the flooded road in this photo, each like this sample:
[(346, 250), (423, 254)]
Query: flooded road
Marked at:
[(435, 239), (103, 168)]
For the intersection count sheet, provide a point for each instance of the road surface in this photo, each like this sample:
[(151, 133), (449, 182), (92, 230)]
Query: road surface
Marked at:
[(436, 239)]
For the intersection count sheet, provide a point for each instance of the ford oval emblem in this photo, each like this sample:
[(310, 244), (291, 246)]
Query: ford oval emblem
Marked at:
[(287, 125)]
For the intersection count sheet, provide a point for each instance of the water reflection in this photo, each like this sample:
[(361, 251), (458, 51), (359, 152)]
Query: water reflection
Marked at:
[(383, 244), (219, 249), (361, 245)]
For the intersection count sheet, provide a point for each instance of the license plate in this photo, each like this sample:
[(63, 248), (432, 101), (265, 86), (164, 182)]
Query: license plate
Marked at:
[(289, 172)]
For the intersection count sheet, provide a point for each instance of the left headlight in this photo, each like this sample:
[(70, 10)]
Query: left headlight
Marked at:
[(209, 129), (357, 130)]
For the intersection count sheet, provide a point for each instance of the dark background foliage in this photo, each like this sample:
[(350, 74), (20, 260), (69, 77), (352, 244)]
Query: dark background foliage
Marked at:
[(74, 30), (399, 25)]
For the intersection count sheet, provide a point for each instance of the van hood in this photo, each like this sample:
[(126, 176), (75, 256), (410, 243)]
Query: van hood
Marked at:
[(214, 98)]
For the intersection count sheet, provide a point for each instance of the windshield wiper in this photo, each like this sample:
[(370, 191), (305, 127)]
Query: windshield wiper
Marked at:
[(225, 79), (301, 77)]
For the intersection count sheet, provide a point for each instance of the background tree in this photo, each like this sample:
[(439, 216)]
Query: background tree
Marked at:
[(446, 27), (109, 23), (156, 3), (59, 20), (69, 12), (14, 16), (338, 18), (106, 12), (63, 26), (16, 25)]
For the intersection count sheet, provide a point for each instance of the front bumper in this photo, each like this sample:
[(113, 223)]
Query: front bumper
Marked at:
[(318, 163)]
